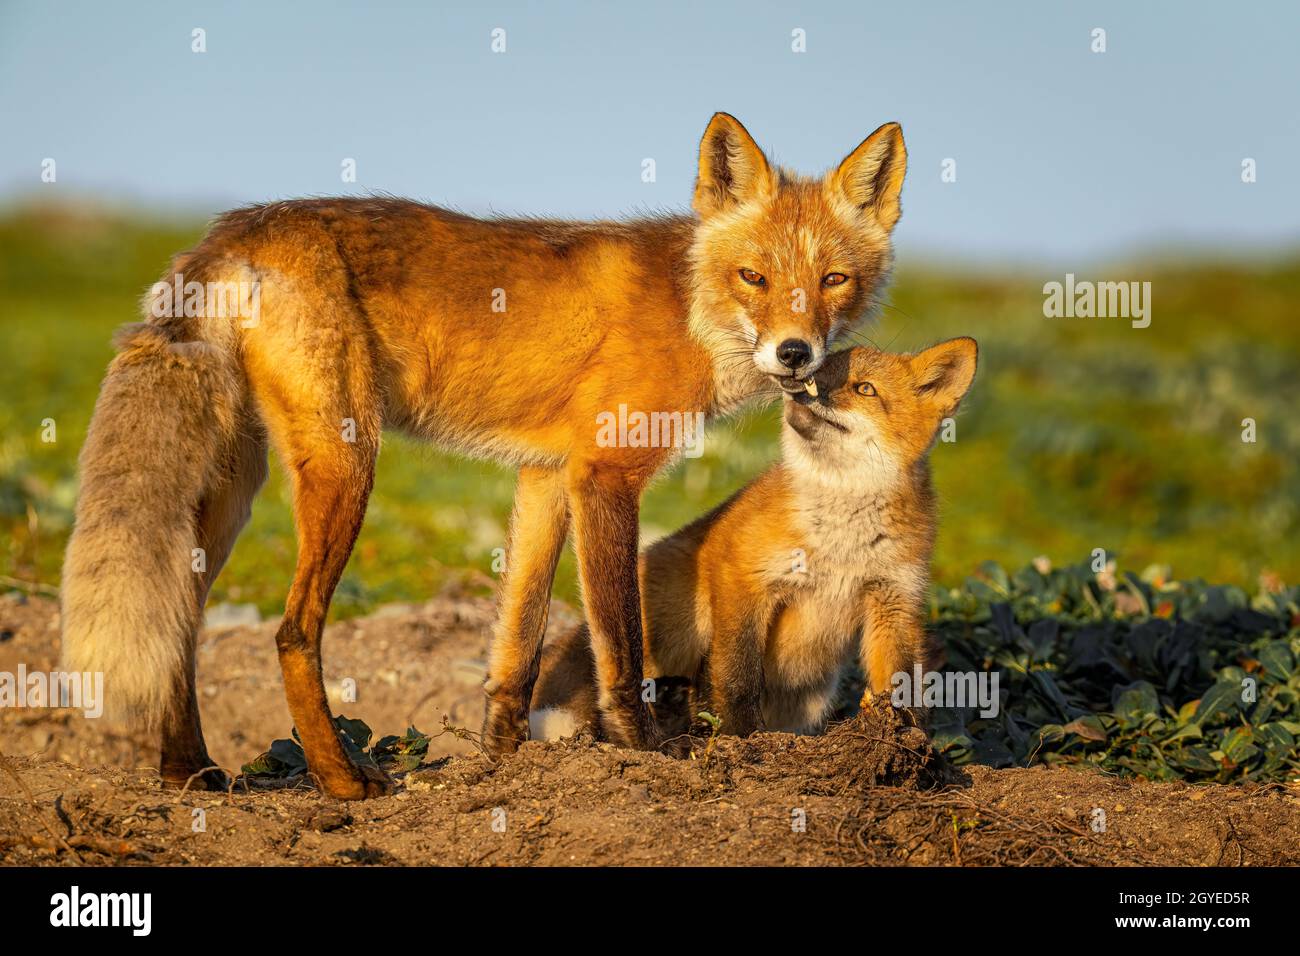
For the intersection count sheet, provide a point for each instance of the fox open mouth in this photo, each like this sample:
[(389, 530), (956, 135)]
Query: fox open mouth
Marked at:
[(793, 385)]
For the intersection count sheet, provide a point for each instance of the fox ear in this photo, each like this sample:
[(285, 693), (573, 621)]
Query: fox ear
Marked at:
[(733, 169), (872, 175), (944, 372)]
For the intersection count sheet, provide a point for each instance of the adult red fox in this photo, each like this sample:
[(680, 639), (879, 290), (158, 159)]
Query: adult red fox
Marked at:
[(503, 338), (823, 557)]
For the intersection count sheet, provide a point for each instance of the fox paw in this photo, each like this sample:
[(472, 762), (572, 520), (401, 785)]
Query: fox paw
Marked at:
[(206, 778), (504, 728), (364, 783)]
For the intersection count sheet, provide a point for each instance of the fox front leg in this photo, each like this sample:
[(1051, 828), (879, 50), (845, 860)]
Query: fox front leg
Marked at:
[(605, 503), (893, 639), (538, 529)]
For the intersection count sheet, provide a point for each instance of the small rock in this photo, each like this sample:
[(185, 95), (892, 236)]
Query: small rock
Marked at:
[(327, 819)]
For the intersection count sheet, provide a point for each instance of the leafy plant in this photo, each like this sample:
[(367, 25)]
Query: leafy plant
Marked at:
[(1137, 675), (285, 758)]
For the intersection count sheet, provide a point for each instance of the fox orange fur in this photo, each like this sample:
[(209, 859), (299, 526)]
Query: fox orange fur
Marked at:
[(500, 338), (824, 556)]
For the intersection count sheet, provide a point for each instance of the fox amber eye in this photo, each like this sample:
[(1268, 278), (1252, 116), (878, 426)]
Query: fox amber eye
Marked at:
[(866, 388), (752, 277), (835, 278)]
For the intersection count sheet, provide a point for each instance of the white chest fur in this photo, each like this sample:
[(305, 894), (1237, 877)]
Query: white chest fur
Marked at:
[(850, 539)]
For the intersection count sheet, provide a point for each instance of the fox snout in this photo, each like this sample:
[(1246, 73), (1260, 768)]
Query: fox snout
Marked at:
[(786, 355), (794, 354)]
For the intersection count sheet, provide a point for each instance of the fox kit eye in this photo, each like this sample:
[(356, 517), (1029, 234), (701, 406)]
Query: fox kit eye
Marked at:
[(835, 278), (866, 388), (752, 277)]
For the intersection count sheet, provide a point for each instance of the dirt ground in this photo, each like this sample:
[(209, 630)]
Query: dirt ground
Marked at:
[(870, 791)]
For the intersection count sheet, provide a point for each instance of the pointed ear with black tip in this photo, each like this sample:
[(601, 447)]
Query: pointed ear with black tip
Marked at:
[(871, 176), (944, 373), (733, 170)]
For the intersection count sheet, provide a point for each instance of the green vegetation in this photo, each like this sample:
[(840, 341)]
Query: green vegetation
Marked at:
[(392, 754), (1079, 433), (1136, 675)]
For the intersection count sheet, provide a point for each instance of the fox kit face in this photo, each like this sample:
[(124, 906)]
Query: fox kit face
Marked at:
[(781, 263), (877, 410)]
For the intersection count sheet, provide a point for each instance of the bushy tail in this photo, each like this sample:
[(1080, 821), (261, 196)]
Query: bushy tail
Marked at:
[(163, 423)]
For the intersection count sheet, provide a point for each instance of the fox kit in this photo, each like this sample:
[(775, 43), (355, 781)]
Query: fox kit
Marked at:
[(824, 556), (501, 338)]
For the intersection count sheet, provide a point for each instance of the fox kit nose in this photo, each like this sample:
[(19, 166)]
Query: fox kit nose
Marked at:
[(793, 353)]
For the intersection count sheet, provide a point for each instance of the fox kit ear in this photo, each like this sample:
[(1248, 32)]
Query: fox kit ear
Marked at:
[(944, 373), (733, 169), (872, 175)]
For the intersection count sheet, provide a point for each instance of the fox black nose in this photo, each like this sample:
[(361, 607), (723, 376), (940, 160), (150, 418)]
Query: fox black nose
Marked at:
[(793, 352)]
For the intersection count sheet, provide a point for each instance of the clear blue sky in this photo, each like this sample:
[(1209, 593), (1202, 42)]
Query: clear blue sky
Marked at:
[(1061, 153)]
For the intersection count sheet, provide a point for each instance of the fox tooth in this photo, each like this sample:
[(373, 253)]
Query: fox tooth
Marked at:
[(811, 386)]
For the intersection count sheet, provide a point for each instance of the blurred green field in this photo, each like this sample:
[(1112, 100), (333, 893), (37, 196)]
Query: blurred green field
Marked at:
[(1079, 433)]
